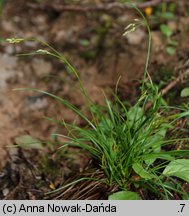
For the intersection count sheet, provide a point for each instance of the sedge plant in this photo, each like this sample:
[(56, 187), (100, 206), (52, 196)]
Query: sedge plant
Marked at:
[(131, 144)]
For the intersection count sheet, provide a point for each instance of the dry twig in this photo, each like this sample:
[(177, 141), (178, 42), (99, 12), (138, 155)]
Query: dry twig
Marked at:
[(97, 8), (172, 84)]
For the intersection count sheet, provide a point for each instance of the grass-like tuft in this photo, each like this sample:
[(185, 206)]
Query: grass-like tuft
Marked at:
[(130, 144)]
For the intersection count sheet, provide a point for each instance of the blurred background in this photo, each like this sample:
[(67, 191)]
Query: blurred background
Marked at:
[(90, 35)]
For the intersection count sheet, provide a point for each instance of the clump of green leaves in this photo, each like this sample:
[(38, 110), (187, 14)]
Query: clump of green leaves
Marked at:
[(171, 44), (128, 143), (164, 13)]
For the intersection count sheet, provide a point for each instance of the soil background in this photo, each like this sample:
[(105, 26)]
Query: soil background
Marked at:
[(94, 45)]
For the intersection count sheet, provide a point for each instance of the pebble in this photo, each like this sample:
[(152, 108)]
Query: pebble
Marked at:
[(136, 37), (5, 192)]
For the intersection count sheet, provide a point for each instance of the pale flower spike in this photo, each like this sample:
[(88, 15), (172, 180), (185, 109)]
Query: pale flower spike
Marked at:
[(14, 40), (130, 28), (41, 51)]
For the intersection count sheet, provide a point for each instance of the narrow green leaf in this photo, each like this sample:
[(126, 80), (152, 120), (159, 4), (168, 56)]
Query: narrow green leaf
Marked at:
[(178, 168), (62, 101), (173, 43), (84, 42), (165, 29), (141, 171), (135, 116), (124, 195), (171, 50), (150, 158), (27, 141), (168, 15)]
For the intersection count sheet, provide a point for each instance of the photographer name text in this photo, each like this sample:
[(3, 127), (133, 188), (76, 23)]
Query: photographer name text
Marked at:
[(53, 208)]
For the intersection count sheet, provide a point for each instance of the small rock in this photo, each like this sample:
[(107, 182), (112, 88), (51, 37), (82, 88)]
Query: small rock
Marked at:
[(5, 192), (157, 42), (8, 65), (37, 104), (41, 22), (68, 35), (183, 23), (123, 20), (41, 67), (8, 26), (172, 25), (9, 49), (136, 37)]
